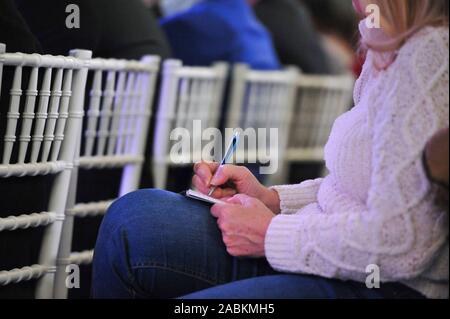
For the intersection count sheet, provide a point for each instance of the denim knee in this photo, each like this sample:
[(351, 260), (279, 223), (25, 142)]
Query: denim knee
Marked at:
[(127, 227), (137, 204)]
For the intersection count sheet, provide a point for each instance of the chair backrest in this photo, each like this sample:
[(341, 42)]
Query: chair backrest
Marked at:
[(190, 97), (116, 127), (262, 100), (118, 116), (43, 131), (320, 100)]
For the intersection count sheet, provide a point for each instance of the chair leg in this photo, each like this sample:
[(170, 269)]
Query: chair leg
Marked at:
[(160, 172)]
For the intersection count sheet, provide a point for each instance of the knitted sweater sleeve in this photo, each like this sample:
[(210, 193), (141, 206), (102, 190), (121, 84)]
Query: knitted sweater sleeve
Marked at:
[(398, 228), (295, 197)]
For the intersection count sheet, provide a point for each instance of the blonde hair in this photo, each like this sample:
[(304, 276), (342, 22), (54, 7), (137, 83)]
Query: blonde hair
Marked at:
[(406, 17)]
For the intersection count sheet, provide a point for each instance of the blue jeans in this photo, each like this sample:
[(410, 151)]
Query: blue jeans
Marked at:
[(156, 244)]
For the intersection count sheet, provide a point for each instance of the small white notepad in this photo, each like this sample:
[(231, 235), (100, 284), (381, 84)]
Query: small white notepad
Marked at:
[(202, 197)]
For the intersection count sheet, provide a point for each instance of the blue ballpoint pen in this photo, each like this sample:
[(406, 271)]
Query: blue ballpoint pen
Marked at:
[(230, 151)]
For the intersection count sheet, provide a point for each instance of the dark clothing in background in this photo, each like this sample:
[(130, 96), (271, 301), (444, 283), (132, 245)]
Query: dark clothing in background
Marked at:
[(13, 30), (109, 28), (296, 40), (334, 17)]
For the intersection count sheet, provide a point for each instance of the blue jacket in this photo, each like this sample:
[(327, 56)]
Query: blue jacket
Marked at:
[(220, 30)]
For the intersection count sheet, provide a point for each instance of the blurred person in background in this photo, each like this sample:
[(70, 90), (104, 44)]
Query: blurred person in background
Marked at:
[(337, 23), (110, 28), (294, 35), (202, 32)]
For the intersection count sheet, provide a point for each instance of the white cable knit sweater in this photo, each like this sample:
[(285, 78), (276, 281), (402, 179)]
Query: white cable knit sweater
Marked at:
[(376, 206)]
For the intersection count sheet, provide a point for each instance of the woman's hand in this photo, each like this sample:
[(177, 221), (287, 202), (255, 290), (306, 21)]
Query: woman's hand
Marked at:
[(231, 180), (244, 222)]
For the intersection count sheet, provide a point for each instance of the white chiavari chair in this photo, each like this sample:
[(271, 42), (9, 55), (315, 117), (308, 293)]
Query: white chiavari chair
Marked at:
[(190, 97), (116, 129), (49, 126), (262, 101), (320, 100)]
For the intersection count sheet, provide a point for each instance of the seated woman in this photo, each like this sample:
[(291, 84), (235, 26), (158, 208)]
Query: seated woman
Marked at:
[(373, 217)]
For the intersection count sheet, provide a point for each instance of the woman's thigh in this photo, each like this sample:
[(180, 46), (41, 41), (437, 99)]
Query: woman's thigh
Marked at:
[(158, 244)]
